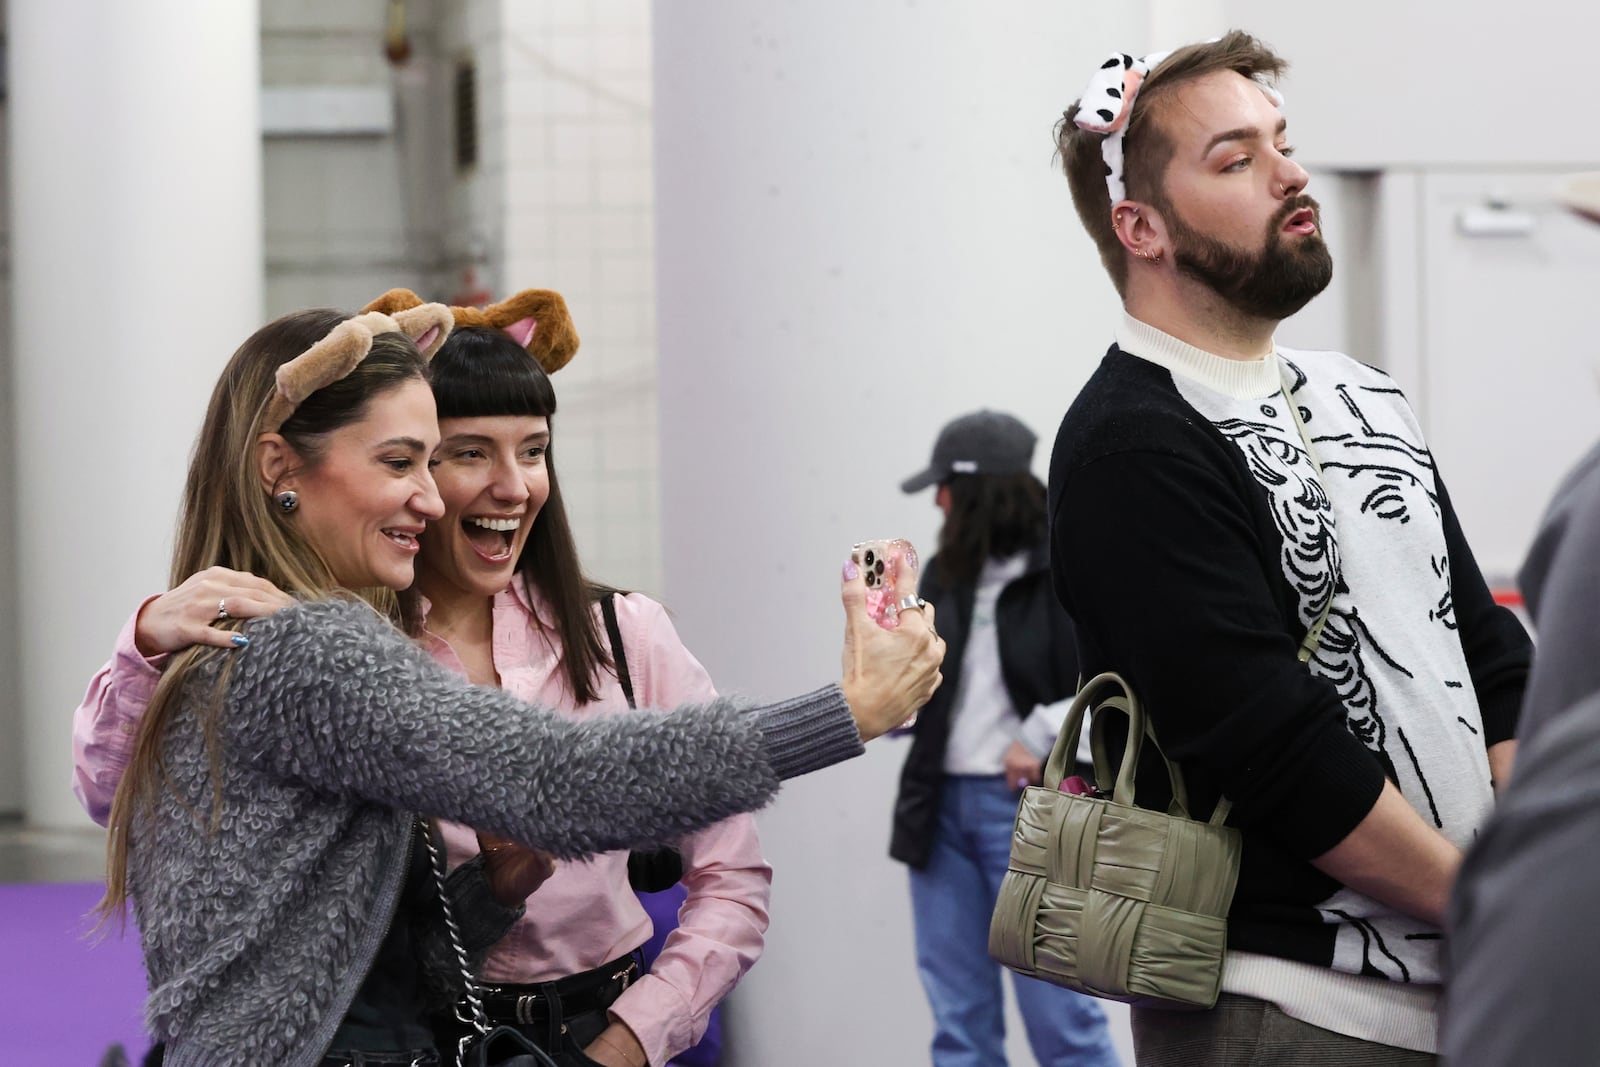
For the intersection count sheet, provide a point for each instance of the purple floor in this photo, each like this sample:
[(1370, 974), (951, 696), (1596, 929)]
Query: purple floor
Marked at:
[(65, 998)]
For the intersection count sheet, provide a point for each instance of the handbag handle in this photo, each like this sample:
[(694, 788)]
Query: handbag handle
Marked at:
[(1110, 691)]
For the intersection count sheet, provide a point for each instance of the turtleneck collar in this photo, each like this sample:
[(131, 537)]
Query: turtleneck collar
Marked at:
[(1244, 379)]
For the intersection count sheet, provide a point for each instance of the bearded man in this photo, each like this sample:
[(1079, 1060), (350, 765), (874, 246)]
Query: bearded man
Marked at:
[(1220, 504)]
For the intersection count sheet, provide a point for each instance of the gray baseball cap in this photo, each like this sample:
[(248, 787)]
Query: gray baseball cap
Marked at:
[(985, 442)]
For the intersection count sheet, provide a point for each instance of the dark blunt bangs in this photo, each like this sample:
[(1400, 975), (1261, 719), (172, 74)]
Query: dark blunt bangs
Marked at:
[(482, 372)]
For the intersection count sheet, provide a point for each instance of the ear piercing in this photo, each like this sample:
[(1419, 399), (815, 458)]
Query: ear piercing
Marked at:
[(287, 500), (1116, 225)]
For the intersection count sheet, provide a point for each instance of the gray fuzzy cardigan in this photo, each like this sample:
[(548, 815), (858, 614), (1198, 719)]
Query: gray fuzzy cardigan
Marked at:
[(335, 731)]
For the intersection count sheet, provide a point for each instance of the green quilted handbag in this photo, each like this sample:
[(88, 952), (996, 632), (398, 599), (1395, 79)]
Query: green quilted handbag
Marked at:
[(1111, 899)]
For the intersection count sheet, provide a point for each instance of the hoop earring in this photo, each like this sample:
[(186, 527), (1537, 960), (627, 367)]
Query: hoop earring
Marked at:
[(287, 500)]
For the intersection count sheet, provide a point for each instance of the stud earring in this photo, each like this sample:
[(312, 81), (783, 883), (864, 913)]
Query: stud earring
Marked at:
[(287, 500)]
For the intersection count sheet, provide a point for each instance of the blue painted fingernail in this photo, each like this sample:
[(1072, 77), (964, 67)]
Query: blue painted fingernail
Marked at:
[(239, 640)]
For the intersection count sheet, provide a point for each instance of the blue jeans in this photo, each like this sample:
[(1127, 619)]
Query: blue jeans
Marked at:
[(951, 902)]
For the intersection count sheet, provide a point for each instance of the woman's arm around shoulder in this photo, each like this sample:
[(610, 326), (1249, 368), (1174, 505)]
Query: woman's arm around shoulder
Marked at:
[(106, 722)]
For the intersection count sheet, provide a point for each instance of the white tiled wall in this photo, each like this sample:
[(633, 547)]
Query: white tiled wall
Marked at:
[(347, 217), (577, 190)]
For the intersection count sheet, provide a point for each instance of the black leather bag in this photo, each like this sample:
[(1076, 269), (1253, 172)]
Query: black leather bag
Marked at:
[(501, 1046)]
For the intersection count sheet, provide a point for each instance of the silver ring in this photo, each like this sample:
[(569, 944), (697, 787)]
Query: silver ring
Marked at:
[(911, 603), (222, 609)]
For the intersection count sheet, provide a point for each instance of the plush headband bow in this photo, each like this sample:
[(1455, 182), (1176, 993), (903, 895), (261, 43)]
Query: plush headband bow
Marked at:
[(346, 345), (537, 319), (1107, 104)]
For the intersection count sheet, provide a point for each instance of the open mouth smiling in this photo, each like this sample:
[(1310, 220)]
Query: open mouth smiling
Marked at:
[(490, 536)]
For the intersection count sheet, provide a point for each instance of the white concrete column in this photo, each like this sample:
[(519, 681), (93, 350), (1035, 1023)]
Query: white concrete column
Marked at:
[(861, 234), (135, 165)]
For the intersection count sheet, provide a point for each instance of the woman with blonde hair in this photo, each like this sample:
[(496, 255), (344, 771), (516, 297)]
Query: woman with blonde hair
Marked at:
[(266, 828)]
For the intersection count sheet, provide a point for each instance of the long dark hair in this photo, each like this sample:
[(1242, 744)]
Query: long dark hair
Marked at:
[(482, 372), (992, 516)]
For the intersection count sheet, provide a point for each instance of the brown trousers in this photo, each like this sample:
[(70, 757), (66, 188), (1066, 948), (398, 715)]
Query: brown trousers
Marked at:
[(1245, 1032)]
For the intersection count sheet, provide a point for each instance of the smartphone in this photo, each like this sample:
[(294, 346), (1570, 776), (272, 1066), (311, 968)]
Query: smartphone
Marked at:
[(880, 563)]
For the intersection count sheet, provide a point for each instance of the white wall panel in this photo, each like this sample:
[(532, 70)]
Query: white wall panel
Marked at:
[(862, 234)]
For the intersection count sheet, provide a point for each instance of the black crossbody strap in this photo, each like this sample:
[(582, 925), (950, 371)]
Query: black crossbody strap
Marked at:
[(608, 608)]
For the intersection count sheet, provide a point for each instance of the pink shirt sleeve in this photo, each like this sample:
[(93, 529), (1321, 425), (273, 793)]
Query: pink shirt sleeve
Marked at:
[(722, 924), (104, 725)]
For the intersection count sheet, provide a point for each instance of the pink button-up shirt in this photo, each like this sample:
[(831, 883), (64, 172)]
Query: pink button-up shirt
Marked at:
[(585, 915)]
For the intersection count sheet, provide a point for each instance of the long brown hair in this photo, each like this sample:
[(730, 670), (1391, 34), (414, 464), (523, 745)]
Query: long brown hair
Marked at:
[(483, 372), (229, 519), (1147, 148)]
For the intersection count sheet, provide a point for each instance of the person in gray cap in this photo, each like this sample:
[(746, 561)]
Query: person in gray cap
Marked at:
[(1009, 669)]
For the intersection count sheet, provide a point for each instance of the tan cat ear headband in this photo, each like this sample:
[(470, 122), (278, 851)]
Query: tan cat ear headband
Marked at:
[(346, 345), (537, 319)]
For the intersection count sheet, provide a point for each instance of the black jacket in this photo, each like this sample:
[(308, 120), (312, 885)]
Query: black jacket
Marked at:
[(1038, 659)]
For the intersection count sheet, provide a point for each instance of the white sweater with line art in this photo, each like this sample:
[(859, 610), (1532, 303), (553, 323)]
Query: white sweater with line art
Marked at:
[(1194, 544)]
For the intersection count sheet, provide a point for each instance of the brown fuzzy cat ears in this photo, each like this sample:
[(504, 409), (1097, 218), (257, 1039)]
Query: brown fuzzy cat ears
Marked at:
[(346, 345), (537, 319)]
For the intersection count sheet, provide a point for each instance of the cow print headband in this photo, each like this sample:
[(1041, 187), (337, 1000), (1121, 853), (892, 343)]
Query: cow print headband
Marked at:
[(1107, 103)]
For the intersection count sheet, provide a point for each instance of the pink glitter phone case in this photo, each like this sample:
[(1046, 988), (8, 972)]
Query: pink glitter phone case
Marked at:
[(880, 563)]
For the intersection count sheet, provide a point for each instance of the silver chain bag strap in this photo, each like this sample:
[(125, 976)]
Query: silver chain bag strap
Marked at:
[(477, 1049)]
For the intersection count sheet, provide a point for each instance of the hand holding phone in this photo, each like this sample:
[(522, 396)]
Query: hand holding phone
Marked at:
[(881, 563), (891, 664)]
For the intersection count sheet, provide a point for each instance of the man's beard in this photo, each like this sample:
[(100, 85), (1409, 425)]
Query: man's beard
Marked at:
[(1271, 284)]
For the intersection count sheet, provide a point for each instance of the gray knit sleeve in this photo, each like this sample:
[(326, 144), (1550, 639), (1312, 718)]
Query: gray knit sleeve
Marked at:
[(807, 733), (331, 695)]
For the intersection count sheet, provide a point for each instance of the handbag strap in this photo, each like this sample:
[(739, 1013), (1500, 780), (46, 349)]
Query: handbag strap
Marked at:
[(608, 609), (472, 994), (482, 1031)]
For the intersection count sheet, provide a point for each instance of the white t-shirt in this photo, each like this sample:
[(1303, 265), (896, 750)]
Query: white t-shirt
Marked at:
[(982, 721)]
